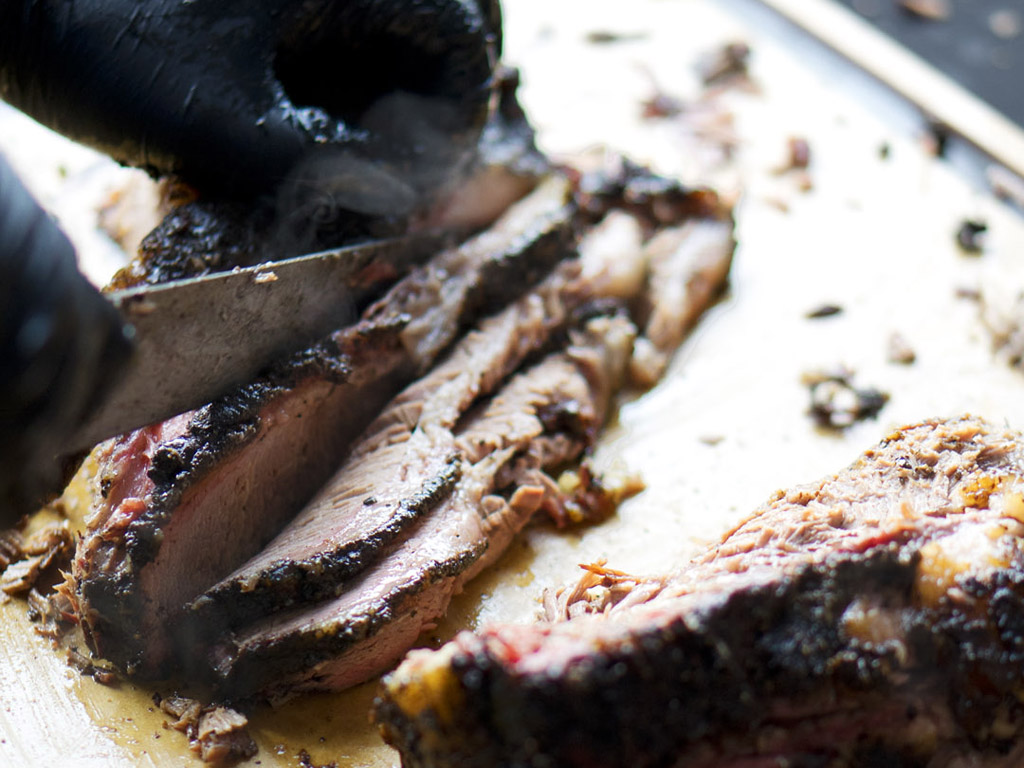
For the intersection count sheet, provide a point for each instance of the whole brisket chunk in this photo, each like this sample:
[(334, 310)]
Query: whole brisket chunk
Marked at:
[(873, 618)]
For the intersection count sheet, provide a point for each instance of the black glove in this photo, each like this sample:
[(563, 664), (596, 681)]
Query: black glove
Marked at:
[(232, 94), (60, 344)]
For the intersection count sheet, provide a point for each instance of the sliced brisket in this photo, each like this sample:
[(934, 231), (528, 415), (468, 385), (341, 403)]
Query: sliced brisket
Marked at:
[(185, 502), (873, 618), (221, 547), (411, 483), (499, 453), (401, 468)]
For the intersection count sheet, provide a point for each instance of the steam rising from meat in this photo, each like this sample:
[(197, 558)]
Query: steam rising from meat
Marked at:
[(412, 154)]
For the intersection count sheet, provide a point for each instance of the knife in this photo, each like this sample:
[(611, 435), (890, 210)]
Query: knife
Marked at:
[(195, 339)]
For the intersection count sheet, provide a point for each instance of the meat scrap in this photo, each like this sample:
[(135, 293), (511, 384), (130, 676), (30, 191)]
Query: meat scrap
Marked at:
[(899, 351), (29, 559), (836, 403), (217, 734), (971, 236), (871, 618), (930, 10), (725, 64)]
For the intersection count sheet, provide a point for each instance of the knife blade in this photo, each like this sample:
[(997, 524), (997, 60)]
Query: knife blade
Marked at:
[(197, 338)]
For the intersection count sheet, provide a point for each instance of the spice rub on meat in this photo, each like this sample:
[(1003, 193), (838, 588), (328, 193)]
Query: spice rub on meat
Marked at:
[(873, 618)]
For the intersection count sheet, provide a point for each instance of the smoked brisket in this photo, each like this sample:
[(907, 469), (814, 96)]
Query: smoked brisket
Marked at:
[(499, 456), (873, 618), (184, 502), (398, 471), (302, 532), (436, 488)]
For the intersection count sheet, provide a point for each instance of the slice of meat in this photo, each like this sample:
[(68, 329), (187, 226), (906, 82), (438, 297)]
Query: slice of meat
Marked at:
[(400, 469), (500, 452), (185, 502), (873, 618)]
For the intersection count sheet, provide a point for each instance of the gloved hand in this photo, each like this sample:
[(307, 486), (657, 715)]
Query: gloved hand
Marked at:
[(231, 95), (60, 344)]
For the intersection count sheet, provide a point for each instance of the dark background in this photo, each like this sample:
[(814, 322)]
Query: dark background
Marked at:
[(963, 45)]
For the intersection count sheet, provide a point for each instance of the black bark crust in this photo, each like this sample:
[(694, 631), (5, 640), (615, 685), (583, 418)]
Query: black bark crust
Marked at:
[(266, 667), (699, 679), (309, 580)]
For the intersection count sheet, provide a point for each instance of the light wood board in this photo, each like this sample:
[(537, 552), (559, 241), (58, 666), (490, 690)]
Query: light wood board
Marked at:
[(728, 425)]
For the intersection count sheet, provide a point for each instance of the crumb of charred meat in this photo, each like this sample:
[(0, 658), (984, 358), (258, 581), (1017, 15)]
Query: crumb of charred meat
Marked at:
[(48, 548), (585, 497), (660, 103), (11, 547), (899, 350), (101, 674), (655, 200), (306, 761), (1005, 184), (222, 737), (871, 618), (970, 236), (725, 64), (1003, 314), (936, 137), (218, 735), (836, 403), (184, 710), (824, 310), (52, 614), (607, 36), (798, 155), (929, 10)]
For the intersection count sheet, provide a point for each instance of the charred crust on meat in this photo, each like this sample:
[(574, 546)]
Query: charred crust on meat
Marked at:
[(656, 200), (192, 240), (265, 663), (217, 429), (308, 580), (707, 674)]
